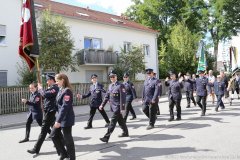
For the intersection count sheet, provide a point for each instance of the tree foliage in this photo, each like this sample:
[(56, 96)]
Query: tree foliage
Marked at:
[(131, 62), (56, 44), (25, 76)]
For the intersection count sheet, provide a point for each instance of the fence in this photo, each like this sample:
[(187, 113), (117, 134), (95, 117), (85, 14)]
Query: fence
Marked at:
[(10, 97)]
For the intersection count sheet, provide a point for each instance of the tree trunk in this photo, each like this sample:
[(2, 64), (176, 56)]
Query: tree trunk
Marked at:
[(215, 51)]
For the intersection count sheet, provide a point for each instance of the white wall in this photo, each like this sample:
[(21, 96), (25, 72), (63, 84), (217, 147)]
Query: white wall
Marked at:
[(10, 15)]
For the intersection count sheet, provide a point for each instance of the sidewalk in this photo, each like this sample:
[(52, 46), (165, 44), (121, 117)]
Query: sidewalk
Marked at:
[(16, 119)]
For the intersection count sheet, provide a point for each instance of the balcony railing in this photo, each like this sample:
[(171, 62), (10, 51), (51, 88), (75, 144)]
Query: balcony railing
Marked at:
[(96, 57)]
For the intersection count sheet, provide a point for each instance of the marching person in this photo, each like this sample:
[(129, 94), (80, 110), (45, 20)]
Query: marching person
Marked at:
[(150, 97), (211, 79), (50, 109), (189, 89), (116, 95), (35, 111), (96, 93), (201, 91), (130, 96), (159, 93), (174, 94), (219, 88), (65, 119), (225, 80)]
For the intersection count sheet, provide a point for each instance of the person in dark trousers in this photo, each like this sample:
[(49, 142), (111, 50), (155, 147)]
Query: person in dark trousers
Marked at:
[(96, 94), (65, 119), (50, 108), (35, 110), (130, 96), (150, 97), (219, 88), (201, 91), (174, 94), (189, 89), (160, 93), (116, 95)]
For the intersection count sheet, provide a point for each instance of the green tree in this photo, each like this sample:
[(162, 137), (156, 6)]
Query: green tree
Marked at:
[(56, 44), (180, 55), (131, 62), (25, 76)]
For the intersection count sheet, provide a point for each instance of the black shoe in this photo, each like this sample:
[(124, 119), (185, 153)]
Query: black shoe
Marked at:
[(158, 113), (24, 140), (150, 127), (104, 139), (171, 119), (123, 135), (202, 114), (107, 124), (88, 127), (188, 107), (33, 151), (62, 157), (222, 107), (178, 118), (132, 118), (216, 109)]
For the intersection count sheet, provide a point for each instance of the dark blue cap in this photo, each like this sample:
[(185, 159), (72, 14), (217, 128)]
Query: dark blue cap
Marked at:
[(49, 76), (112, 73), (125, 75), (200, 71), (94, 76), (149, 70)]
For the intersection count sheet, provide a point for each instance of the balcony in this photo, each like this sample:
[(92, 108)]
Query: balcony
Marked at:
[(96, 57)]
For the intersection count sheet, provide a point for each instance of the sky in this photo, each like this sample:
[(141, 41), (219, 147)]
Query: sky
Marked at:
[(109, 6)]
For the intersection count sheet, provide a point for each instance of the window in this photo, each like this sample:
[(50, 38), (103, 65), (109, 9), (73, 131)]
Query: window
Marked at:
[(2, 34), (127, 47), (146, 50), (94, 43), (3, 78)]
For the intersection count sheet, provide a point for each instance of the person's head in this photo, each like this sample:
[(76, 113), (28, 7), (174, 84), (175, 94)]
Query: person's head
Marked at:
[(50, 79), (210, 72), (62, 81), (222, 73), (33, 87), (113, 76), (193, 76), (201, 73), (187, 76), (173, 75), (149, 73), (94, 78), (219, 77), (125, 77)]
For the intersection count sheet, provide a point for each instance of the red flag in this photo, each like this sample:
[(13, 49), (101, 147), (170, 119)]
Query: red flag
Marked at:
[(26, 35)]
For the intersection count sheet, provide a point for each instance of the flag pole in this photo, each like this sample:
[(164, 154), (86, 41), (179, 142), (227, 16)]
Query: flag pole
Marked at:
[(39, 79)]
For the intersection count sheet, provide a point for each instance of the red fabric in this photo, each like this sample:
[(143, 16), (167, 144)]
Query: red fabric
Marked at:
[(26, 35)]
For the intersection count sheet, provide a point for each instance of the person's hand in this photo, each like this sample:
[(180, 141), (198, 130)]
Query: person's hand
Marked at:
[(180, 79), (39, 86), (79, 96), (167, 79), (100, 107), (152, 101), (24, 100), (57, 125)]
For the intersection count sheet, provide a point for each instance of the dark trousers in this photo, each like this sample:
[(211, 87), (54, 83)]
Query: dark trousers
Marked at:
[(150, 110), (116, 117), (203, 104), (66, 138), (48, 121), (189, 96), (219, 101), (129, 108), (92, 113), (171, 107), (28, 125)]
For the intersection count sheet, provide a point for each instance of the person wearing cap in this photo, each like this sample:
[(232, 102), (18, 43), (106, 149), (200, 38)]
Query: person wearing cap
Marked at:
[(201, 91), (219, 88), (50, 109), (150, 97), (159, 93), (225, 80), (211, 79), (130, 96), (116, 95), (174, 94), (95, 93), (189, 89), (35, 111)]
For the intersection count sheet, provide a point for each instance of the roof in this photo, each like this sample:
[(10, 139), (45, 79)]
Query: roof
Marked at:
[(90, 15)]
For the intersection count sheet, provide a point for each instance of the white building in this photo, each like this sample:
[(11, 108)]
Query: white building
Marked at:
[(90, 29)]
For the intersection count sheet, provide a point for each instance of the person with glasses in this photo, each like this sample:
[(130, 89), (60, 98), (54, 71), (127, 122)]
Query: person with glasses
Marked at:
[(116, 95), (95, 93), (150, 97), (130, 96)]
